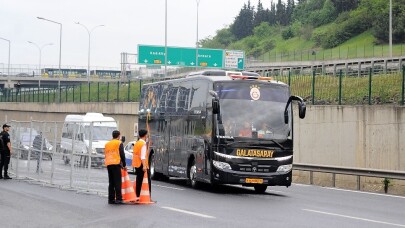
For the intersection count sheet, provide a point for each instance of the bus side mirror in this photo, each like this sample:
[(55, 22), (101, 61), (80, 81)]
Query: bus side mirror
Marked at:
[(123, 139), (215, 102), (302, 108), (215, 106)]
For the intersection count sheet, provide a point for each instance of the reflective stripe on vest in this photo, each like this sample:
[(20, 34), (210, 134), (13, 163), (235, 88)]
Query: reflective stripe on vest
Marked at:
[(136, 158), (112, 152)]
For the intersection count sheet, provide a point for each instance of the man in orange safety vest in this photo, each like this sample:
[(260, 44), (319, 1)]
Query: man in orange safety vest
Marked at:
[(114, 160), (140, 160)]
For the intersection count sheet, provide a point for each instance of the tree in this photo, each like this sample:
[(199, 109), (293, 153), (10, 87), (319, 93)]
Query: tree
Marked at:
[(280, 13), (345, 5), (289, 11), (260, 15), (272, 15), (381, 21), (223, 39), (243, 24)]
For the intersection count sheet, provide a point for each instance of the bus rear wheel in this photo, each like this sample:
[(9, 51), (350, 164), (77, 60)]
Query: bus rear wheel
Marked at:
[(260, 188), (192, 175)]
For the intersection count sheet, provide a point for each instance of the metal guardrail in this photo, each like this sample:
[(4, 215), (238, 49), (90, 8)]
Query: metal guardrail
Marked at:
[(359, 172)]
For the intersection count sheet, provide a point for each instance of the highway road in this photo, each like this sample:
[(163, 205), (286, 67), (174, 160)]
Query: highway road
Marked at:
[(28, 204)]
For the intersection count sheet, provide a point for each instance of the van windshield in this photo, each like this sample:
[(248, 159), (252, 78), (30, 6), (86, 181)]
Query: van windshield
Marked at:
[(99, 132)]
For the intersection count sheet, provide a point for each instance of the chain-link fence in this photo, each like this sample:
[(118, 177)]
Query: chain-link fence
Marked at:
[(67, 154)]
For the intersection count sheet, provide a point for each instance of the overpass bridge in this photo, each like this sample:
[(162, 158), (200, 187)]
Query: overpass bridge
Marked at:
[(351, 67), (44, 82)]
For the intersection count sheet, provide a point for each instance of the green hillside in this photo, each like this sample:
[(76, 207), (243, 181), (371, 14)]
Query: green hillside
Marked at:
[(360, 46), (314, 30)]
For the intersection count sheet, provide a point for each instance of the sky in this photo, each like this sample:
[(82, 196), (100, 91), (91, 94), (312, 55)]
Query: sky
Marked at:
[(128, 23)]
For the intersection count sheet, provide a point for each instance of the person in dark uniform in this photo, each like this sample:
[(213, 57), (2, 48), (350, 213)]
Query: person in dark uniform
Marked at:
[(5, 152), (140, 161), (114, 160)]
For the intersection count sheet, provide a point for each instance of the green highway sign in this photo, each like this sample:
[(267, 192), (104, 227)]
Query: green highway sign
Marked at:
[(180, 56), (234, 59)]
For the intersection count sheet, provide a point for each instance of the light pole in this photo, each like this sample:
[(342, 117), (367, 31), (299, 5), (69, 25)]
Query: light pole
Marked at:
[(8, 67), (390, 30), (88, 55), (60, 40), (165, 38), (40, 53), (196, 43)]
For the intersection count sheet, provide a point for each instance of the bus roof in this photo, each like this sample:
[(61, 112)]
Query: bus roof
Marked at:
[(220, 75)]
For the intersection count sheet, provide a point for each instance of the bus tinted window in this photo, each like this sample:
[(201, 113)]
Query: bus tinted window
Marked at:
[(237, 90)]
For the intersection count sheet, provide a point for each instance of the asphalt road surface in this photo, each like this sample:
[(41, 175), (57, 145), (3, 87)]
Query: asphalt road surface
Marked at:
[(28, 204)]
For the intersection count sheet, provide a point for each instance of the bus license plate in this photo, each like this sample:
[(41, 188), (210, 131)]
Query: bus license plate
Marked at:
[(254, 181)]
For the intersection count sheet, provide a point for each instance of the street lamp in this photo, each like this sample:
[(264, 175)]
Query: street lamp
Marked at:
[(60, 40), (40, 53), (9, 44), (196, 43), (390, 30), (8, 68), (88, 57), (165, 38)]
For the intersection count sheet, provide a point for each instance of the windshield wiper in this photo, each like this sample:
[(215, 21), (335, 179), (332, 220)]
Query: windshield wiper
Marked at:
[(278, 144)]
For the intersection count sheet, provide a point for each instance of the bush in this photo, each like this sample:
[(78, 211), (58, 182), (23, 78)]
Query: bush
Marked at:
[(357, 23), (287, 33)]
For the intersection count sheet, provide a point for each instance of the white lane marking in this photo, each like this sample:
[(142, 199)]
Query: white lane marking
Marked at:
[(303, 185), (368, 193), (274, 191), (66, 170), (357, 218), (189, 212), (162, 186)]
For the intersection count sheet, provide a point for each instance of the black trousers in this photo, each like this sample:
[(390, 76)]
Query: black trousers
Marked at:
[(114, 182), (5, 160), (139, 179)]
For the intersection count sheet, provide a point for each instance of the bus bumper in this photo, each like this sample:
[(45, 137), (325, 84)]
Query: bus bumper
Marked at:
[(251, 178)]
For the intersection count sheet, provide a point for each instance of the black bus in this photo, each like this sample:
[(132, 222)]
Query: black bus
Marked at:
[(220, 130)]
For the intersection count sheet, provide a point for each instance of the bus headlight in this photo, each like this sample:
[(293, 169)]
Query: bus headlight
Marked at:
[(284, 168), (222, 165)]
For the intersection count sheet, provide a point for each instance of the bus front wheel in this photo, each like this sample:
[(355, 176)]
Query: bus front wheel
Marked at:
[(192, 175), (153, 175), (260, 188)]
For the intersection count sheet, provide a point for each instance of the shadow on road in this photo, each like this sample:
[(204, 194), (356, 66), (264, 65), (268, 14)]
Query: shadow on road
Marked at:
[(221, 189)]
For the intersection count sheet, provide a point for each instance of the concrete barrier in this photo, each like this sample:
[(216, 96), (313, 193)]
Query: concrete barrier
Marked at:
[(349, 136)]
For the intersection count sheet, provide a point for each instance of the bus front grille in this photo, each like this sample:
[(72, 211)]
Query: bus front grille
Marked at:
[(257, 168)]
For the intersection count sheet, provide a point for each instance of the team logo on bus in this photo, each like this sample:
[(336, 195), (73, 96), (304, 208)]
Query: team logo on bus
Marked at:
[(255, 92)]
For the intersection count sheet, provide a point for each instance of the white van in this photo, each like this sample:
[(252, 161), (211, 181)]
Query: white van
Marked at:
[(86, 133)]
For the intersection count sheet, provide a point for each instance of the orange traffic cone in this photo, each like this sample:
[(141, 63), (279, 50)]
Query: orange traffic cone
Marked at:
[(144, 197), (128, 193)]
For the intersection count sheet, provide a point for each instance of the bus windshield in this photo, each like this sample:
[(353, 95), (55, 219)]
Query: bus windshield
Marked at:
[(253, 109), (100, 132)]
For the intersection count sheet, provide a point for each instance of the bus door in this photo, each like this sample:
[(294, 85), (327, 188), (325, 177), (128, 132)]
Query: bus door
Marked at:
[(201, 133), (176, 155), (166, 147)]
